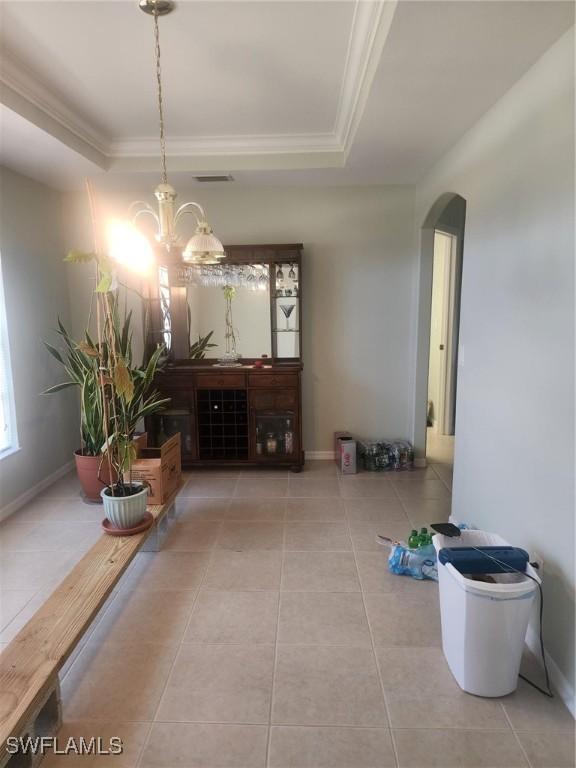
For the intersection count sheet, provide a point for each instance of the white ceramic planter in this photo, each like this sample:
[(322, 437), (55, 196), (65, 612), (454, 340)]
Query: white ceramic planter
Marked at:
[(125, 511)]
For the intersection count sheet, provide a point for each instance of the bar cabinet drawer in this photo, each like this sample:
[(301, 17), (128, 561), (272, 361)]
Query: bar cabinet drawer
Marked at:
[(272, 380), (220, 380), (266, 399)]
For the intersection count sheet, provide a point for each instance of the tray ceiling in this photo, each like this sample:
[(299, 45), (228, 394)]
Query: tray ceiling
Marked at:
[(350, 91)]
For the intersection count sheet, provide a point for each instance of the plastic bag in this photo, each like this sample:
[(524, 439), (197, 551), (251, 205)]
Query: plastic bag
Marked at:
[(417, 563)]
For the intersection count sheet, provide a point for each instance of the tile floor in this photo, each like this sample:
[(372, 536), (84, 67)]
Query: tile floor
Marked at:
[(268, 632)]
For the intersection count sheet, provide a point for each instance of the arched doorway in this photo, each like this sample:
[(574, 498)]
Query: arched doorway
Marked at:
[(443, 228)]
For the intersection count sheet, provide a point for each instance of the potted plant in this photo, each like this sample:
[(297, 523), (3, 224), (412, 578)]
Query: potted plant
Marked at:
[(81, 367), (124, 391)]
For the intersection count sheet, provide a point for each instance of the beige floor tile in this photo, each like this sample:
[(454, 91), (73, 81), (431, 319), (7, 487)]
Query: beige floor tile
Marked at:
[(320, 572), (315, 510), (256, 510), (49, 536), (375, 576), (549, 750), (25, 614), (190, 510), (444, 472), (415, 677), (68, 486), (327, 685), (214, 473), (117, 681), (416, 670), (317, 536), (456, 748), (529, 710), (34, 570), (51, 510), (247, 535), (460, 710), (428, 489), (404, 619), (425, 511), (207, 488), (329, 747), (153, 571), (412, 476), (202, 745), (14, 533), (323, 618), (132, 735), (234, 617), (365, 534), (375, 510), (359, 488), (146, 617), (191, 537), (261, 488), (12, 601), (249, 570), (219, 683), (314, 487), (319, 468), (265, 473)]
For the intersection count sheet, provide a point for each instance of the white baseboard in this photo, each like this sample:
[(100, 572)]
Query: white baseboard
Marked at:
[(28, 495), (316, 455), (561, 684)]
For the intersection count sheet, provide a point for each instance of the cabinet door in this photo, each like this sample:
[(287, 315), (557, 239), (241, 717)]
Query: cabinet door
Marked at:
[(178, 416), (274, 425)]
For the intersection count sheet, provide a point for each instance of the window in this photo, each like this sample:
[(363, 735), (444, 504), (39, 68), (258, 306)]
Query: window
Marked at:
[(8, 433)]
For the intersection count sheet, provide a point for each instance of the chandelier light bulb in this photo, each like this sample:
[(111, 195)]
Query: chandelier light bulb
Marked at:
[(129, 247)]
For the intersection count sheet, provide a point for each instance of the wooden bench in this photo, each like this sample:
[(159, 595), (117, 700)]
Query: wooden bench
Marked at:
[(29, 685)]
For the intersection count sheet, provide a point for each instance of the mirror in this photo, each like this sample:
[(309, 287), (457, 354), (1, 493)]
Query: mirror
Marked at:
[(249, 305)]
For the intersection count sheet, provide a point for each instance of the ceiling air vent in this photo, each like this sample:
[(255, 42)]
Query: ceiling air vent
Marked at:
[(214, 178)]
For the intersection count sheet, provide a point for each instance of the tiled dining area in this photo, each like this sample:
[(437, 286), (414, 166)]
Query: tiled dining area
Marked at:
[(268, 632)]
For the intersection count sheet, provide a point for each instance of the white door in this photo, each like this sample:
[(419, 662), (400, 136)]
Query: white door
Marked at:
[(441, 372)]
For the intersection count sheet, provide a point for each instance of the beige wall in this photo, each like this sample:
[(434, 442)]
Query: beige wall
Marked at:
[(32, 248), (514, 464), (357, 284)]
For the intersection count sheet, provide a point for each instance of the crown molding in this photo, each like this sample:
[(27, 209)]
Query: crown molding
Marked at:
[(371, 25), (25, 93), (264, 144)]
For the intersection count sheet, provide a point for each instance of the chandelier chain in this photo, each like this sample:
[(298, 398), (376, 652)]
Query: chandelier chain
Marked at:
[(160, 103)]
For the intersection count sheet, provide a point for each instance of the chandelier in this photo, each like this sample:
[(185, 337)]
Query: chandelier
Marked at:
[(203, 247)]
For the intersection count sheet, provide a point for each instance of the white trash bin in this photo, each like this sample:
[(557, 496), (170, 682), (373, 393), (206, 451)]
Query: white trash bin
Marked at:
[(483, 625)]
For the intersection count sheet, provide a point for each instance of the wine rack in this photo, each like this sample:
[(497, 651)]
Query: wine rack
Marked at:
[(222, 424)]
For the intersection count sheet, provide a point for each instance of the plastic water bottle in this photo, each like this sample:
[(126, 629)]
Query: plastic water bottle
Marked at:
[(423, 537)]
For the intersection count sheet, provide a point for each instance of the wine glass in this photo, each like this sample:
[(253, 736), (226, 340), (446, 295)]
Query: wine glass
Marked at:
[(287, 310)]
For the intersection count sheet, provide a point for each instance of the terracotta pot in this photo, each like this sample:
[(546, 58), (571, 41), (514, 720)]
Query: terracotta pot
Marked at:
[(87, 469)]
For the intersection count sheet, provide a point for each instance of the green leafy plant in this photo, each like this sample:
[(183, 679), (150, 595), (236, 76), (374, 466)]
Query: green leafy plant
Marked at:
[(81, 366), (199, 348)]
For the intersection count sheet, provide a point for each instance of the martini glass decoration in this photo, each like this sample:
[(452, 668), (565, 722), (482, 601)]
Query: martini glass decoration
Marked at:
[(287, 310)]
